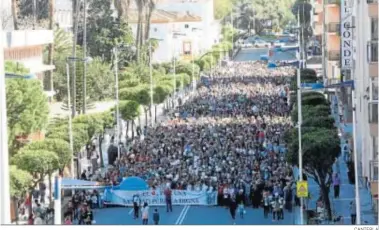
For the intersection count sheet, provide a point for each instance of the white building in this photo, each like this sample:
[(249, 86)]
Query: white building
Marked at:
[(211, 28), (365, 74), (63, 14), (180, 34)]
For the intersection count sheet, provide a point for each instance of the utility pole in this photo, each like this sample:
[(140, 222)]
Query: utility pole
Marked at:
[(84, 57), (75, 39), (300, 116), (151, 85), (4, 156)]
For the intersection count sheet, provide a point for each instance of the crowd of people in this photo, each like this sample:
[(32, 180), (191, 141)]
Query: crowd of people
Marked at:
[(228, 138)]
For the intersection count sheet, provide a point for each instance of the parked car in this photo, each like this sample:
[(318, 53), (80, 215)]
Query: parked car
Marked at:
[(279, 43)]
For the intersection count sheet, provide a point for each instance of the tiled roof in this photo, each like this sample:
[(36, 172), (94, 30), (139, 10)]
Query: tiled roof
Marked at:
[(163, 16)]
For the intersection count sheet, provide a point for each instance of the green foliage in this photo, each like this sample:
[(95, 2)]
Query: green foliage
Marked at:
[(60, 147), (161, 92), (27, 108), (16, 68), (103, 33), (311, 111), (129, 110), (92, 122), (321, 122), (79, 133), (321, 147), (20, 181), (100, 80), (37, 162), (222, 8)]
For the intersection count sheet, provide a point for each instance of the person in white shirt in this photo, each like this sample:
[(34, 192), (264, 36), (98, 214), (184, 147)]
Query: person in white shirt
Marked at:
[(145, 214)]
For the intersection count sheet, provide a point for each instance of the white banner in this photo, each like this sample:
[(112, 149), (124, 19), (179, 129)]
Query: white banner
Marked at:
[(347, 48), (157, 198)]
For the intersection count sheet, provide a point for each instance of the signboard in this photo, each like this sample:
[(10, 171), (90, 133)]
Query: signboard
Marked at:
[(157, 198), (302, 189), (347, 48)]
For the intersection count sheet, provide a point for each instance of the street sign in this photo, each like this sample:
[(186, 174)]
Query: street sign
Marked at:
[(302, 189)]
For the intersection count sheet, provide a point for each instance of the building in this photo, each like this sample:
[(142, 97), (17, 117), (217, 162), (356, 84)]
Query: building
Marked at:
[(178, 34), (26, 47), (331, 41), (63, 14), (366, 87)]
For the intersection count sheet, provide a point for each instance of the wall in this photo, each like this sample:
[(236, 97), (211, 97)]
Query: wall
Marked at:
[(22, 38)]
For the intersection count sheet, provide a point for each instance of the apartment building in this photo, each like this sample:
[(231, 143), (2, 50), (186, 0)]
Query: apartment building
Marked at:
[(366, 85)]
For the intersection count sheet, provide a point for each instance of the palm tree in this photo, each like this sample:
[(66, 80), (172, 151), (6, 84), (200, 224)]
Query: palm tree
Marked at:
[(15, 14), (51, 45), (122, 7), (141, 6), (150, 9)]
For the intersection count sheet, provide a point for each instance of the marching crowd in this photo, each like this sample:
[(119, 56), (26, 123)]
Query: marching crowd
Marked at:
[(228, 138)]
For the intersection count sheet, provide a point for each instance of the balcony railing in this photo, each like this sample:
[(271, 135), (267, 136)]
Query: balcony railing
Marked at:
[(333, 55), (372, 1), (333, 27), (372, 51), (373, 112)]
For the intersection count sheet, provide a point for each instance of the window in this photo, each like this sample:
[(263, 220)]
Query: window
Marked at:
[(374, 93), (374, 29), (155, 29), (372, 51), (186, 26), (187, 48)]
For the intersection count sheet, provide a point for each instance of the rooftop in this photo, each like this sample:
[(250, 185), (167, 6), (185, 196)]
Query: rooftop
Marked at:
[(163, 16)]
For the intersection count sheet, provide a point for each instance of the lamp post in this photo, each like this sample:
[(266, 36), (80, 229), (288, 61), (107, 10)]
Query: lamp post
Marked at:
[(152, 121), (85, 55), (4, 156), (174, 36), (115, 65), (193, 64), (68, 61)]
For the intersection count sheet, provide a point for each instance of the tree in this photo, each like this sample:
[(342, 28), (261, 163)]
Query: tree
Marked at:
[(27, 109), (311, 111), (79, 133), (39, 163), (321, 147), (100, 80), (302, 11), (321, 122), (129, 111), (93, 123), (15, 11), (161, 92), (222, 8), (20, 181), (105, 33), (60, 147), (16, 68), (51, 45)]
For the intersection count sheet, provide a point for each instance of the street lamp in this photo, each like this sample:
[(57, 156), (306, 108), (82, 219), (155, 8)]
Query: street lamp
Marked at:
[(152, 121), (115, 53), (174, 36), (68, 61), (193, 63)]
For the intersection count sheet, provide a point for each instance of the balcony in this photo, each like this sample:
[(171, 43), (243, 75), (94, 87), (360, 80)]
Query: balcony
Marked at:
[(333, 2), (333, 55), (373, 112), (372, 8), (333, 28), (332, 14), (24, 38)]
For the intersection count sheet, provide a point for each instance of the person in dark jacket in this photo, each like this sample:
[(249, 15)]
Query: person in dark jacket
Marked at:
[(156, 217), (233, 207)]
